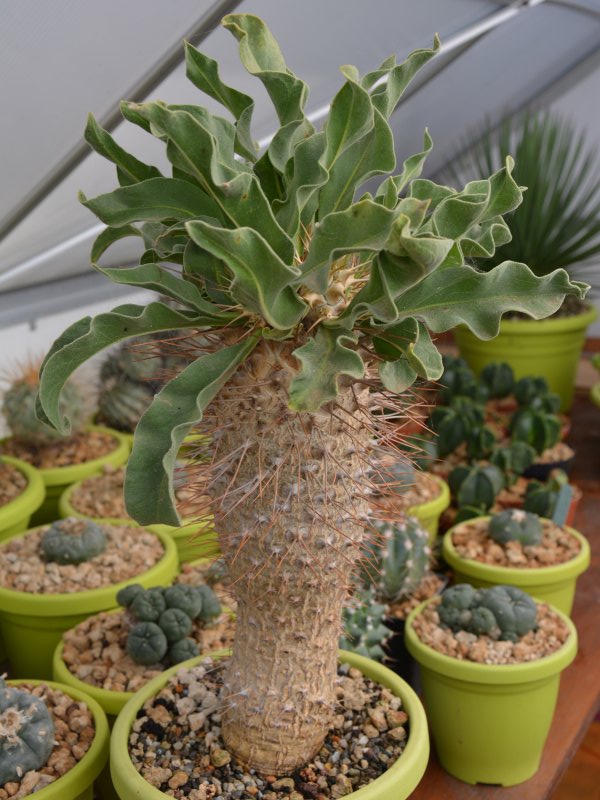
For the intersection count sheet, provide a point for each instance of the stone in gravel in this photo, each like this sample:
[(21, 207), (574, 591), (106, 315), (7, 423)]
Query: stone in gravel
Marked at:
[(284, 783), (180, 778), (220, 757)]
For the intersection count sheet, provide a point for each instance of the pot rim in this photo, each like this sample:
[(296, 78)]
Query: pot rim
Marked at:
[(539, 327), (437, 504), (30, 499)]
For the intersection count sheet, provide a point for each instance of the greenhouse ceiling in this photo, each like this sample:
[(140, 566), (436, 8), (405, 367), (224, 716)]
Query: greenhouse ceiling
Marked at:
[(61, 59)]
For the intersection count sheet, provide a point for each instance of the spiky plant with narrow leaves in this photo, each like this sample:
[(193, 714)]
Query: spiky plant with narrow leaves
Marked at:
[(312, 298)]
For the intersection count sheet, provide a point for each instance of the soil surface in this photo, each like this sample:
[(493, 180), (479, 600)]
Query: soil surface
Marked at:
[(102, 496), (12, 483), (431, 585), (471, 541), (175, 742), (549, 636), (129, 552), (425, 489), (74, 732), (76, 449)]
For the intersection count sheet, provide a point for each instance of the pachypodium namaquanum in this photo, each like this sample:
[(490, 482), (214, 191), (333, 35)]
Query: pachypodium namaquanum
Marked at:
[(72, 541), (26, 733), (501, 612), (516, 525), (316, 300)]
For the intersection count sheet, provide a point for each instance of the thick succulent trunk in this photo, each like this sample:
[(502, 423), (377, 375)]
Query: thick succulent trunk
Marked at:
[(290, 519)]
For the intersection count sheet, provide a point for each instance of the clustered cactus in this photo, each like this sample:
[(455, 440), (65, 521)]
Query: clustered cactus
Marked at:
[(501, 612), (515, 525), (164, 620), (72, 541), (26, 733), (18, 408), (396, 558), (364, 630)]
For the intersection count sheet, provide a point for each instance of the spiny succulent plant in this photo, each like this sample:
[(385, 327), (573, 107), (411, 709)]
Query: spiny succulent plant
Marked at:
[(164, 620), (513, 459), (454, 423), (534, 392), (72, 541), (476, 486), (501, 612), (362, 622), (397, 476), (19, 402), (499, 379), (515, 525), (397, 559), (537, 428), (541, 498), (26, 733), (311, 293)]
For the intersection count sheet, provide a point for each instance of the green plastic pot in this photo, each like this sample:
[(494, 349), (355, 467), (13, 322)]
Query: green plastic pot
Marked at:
[(595, 394), (395, 784), (58, 478), (429, 513), (15, 516), (194, 539), (548, 348), (77, 783), (32, 624), (489, 722), (554, 585)]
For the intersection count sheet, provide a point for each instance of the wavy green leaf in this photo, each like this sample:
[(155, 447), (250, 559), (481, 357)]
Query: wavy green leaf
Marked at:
[(179, 406), (262, 281), (410, 341), (109, 236), (304, 177), (392, 186), (324, 358), (397, 376), (90, 335), (129, 168)]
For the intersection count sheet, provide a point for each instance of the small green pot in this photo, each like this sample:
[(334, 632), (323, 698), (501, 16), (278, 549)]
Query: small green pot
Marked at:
[(395, 784), (194, 539), (32, 624), (549, 348), (595, 394), (429, 513), (489, 722), (77, 783), (15, 516), (554, 585), (58, 478)]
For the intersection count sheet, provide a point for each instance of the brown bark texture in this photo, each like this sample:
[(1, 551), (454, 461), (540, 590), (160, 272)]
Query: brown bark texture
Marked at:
[(290, 511)]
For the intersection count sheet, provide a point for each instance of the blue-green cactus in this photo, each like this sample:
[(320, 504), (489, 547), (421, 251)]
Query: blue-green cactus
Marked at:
[(148, 605), (501, 612), (182, 650), (515, 525), (186, 598), (476, 486), (499, 378), (26, 733), (147, 643), (175, 624), (537, 428), (127, 594), (364, 631), (72, 541), (397, 559), (211, 607)]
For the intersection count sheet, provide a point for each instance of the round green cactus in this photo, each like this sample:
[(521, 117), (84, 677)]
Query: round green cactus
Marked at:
[(182, 650), (499, 378), (397, 560), (537, 428), (513, 459), (453, 423), (501, 612), (476, 486), (122, 403), (480, 442), (535, 393), (364, 631), (72, 541), (515, 525), (457, 380), (186, 598), (127, 595), (541, 498), (211, 607), (26, 733), (147, 644), (175, 624), (148, 605)]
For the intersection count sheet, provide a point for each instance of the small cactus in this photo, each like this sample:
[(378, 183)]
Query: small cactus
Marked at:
[(537, 428), (541, 498), (513, 459), (26, 733), (476, 486), (480, 442), (18, 407), (72, 541), (364, 631), (453, 423), (515, 525), (398, 477), (456, 381), (164, 620), (535, 393), (397, 562), (501, 612), (499, 379)]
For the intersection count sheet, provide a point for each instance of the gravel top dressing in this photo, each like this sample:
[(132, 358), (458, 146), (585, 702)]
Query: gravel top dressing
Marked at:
[(175, 743), (79, 448), (548, 637), (102, 496), (74, 732), (12, 483), (471, 541), (129, 552), (431, 585)]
